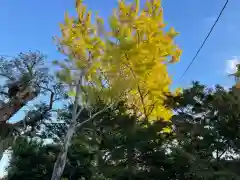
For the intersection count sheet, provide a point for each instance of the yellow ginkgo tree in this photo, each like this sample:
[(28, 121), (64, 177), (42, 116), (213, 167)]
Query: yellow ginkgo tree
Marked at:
[(127, 62)]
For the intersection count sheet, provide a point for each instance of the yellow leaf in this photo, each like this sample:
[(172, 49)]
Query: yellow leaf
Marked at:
[(172, 33), (167, 130), (129, 62)]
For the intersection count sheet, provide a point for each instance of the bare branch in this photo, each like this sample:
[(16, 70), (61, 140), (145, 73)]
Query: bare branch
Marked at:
[(219, 157), (51, 97), (4, 93), (61, 159), (143, 104), (139, 90), (151, 108), (6, 76), (24, 122), (94, 115)]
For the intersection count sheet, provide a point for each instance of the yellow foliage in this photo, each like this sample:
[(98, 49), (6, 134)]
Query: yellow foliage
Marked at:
[(130, 61)]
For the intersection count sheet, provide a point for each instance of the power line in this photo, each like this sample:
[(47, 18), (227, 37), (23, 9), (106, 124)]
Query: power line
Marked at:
[(194, 58)]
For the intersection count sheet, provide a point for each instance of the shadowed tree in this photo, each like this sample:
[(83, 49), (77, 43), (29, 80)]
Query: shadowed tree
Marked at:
[(24, 78), (207, 131), (99, 151), (204, 144)]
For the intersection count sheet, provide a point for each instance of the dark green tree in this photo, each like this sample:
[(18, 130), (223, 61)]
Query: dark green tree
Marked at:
[(204, 143), (207, 131), (103, 149), (33, 153)]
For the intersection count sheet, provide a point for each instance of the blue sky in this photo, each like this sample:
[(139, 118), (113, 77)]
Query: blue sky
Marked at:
[(30, 25)]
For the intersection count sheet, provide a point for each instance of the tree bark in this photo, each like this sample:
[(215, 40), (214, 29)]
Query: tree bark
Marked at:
[(62, 157), (14, 105)]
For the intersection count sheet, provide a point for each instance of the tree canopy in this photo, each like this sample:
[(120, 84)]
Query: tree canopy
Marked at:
[(203, 144), (127, 63), (24, 78)]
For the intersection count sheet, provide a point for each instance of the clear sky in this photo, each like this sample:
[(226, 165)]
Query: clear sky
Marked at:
[(30, 25)]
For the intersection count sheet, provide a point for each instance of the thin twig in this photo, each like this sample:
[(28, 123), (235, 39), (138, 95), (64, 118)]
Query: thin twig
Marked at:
[(4, 93), (93, 116), (138, 88), (143, 104), (6, 76)]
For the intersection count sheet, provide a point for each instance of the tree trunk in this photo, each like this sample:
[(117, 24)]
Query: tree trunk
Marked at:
[(14, 105), (7, 110), (62, 157)]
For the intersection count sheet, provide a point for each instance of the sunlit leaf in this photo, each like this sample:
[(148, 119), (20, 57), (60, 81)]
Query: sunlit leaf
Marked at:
[(129, 62)]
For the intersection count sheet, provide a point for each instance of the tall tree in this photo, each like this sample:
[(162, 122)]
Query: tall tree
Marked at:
[(24, 78), (98, 151), (206, 123), (128, 63)]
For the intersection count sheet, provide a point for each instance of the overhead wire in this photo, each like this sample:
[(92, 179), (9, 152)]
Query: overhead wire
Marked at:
[(205, 40)]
